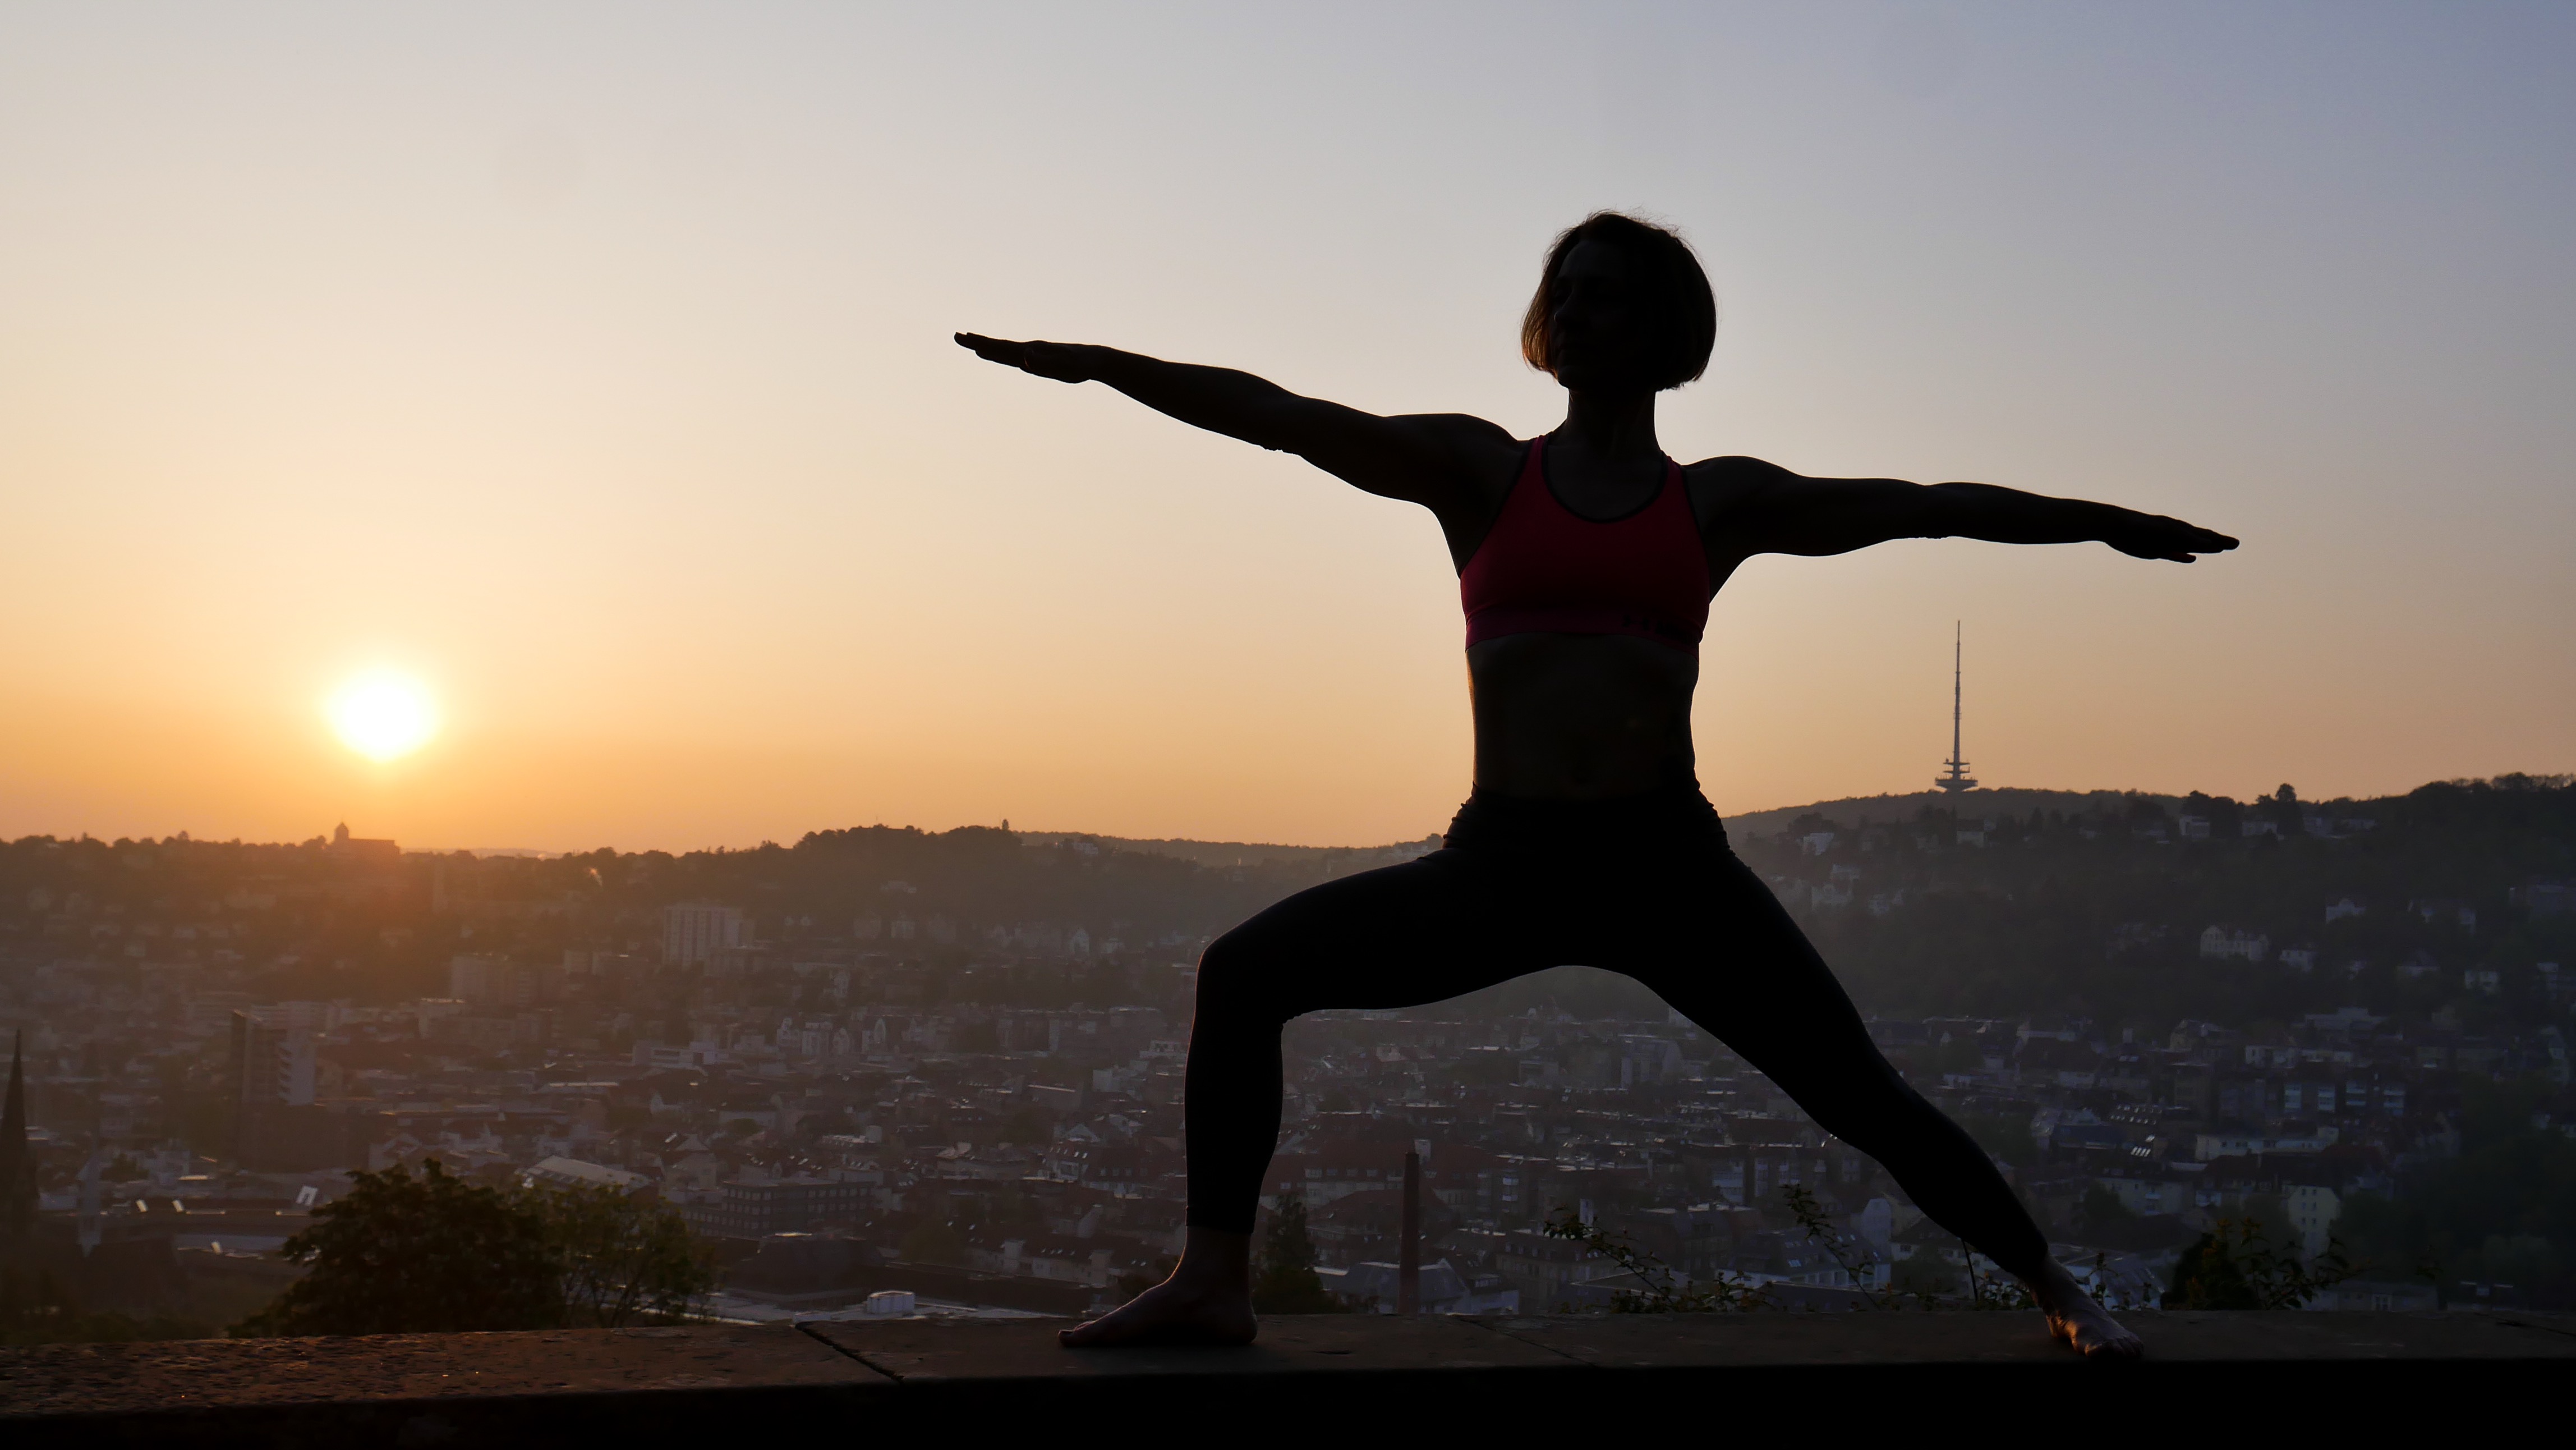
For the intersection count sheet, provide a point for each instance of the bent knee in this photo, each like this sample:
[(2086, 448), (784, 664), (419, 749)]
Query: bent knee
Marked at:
[(1243, 973)]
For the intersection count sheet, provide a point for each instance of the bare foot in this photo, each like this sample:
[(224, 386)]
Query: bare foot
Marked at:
[(2079, 1321), (1169, 1313)]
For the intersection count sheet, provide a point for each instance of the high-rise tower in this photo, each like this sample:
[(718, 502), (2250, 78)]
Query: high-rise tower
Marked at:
[(1958, 777)]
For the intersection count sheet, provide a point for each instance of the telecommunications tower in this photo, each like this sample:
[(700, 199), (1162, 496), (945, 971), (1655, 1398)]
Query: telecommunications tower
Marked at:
[(1958, 777)]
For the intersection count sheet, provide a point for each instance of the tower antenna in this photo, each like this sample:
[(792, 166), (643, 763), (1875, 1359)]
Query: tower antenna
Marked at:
[(1957, 777)]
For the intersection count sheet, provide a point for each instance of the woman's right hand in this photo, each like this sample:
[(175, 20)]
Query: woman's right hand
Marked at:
[(1063, 361)]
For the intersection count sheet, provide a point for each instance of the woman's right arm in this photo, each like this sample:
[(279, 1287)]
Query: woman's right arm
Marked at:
[(1426, 458)]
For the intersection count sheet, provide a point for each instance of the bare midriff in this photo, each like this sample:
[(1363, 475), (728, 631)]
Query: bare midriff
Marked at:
[(1580, 716)]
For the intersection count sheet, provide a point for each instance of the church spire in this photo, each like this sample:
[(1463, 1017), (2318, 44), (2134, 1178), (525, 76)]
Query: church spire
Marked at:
[(17, 1167)]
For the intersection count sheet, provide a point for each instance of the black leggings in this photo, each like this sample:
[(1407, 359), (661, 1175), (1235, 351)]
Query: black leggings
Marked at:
[(1643, 885)]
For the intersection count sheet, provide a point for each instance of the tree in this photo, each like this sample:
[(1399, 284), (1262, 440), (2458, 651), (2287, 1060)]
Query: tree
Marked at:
[(1284, 1281), (2101, 1209), (621, 1259), (405, 1255), (2236, 1267), (934, 1242)]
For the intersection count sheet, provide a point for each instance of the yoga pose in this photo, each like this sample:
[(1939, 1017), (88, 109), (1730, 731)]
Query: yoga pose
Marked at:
[(1586, 560)]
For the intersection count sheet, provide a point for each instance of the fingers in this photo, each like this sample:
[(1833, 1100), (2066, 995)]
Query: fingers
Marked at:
[(994, 349), (1040, 359), (2181, 540)]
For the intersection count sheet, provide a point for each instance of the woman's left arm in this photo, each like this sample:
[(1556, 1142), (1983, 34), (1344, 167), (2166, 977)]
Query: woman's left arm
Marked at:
[(1762, 508)]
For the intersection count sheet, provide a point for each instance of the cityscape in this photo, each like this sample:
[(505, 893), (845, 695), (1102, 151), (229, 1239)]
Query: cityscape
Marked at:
[(889, 1067)]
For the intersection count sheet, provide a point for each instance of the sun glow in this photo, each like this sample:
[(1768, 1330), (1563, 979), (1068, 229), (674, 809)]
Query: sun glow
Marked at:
[(383, 715)]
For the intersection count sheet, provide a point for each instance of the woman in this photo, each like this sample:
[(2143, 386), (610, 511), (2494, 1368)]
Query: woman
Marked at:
[(1586, 561)]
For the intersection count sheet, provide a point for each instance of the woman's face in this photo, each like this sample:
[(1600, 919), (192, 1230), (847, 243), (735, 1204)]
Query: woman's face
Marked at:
[(1598, 337)]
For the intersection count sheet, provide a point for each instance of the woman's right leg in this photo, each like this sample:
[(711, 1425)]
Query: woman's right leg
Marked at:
[(1396, 937)]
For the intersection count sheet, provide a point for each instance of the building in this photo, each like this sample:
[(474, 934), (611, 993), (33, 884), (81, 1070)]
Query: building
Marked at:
[(561, 1172), (2228, 943), (362, 849), (272, 1062), (276, 1127), (694, 931), (750, 1210), (482, 981)]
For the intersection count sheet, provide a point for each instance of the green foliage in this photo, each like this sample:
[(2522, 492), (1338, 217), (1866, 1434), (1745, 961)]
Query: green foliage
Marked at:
[(436, 1254), (2100, 1209), (2498, 1212), (2236, 1267), (405, 1255), (2033, 921), (1922, 1278), (1284, 1281), (36, 1310), (1994, 1290), (1656, 1291), (934, 1242), (620, 1259)]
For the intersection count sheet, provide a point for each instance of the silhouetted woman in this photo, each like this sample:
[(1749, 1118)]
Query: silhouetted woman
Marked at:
[(1586, 560)]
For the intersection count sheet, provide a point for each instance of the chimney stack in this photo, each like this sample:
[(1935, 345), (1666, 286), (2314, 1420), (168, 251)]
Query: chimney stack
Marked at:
[(1408, 1262)]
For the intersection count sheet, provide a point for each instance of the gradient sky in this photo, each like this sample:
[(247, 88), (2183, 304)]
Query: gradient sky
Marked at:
[(591, 362)]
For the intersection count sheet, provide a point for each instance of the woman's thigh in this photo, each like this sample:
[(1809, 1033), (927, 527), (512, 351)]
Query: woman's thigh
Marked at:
[(1400, 936), (1709, 937)]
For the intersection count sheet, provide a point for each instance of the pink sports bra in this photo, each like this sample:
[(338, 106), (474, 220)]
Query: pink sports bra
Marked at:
[(1545, 569)]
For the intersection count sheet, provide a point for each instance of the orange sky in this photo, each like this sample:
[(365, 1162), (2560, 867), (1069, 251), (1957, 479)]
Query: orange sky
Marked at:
[(594, 369)]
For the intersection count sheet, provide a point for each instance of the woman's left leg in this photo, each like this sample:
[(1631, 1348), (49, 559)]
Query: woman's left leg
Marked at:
[(1714, 942)]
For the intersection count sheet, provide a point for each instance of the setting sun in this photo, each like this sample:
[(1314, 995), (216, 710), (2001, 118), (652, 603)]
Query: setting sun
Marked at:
[(383, 715)]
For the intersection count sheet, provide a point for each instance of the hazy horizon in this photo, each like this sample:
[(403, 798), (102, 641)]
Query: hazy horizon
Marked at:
[(590, 364), (1997, 798)]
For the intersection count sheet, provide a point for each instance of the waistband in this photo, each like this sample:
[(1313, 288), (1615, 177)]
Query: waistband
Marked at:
[(1666, 815)]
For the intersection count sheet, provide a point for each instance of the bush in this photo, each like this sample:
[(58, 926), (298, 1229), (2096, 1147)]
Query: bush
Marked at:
[(2236, 1267), (1285, 1281), (620, 1259), (435, 1254)]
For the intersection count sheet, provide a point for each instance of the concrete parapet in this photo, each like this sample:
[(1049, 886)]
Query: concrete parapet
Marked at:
[(1307, 1375)]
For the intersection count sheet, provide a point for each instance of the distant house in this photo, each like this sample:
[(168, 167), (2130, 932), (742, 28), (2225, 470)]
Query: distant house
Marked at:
[(2229, 943), (2344, 906), (2444, 911), (2543, 898), (561, 1172)]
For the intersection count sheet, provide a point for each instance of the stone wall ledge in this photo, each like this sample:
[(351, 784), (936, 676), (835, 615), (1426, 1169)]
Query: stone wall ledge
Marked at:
[(1329, 1374)]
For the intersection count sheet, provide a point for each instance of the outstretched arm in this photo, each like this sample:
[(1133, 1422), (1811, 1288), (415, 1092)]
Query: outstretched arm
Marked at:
[(1765, 509), (1423, 457)]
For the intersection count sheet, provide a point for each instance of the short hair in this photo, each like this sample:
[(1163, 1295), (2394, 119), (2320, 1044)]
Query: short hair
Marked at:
[(1677, 290)]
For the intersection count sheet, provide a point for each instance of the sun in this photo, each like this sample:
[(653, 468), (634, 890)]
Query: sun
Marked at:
[(383, 715)]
